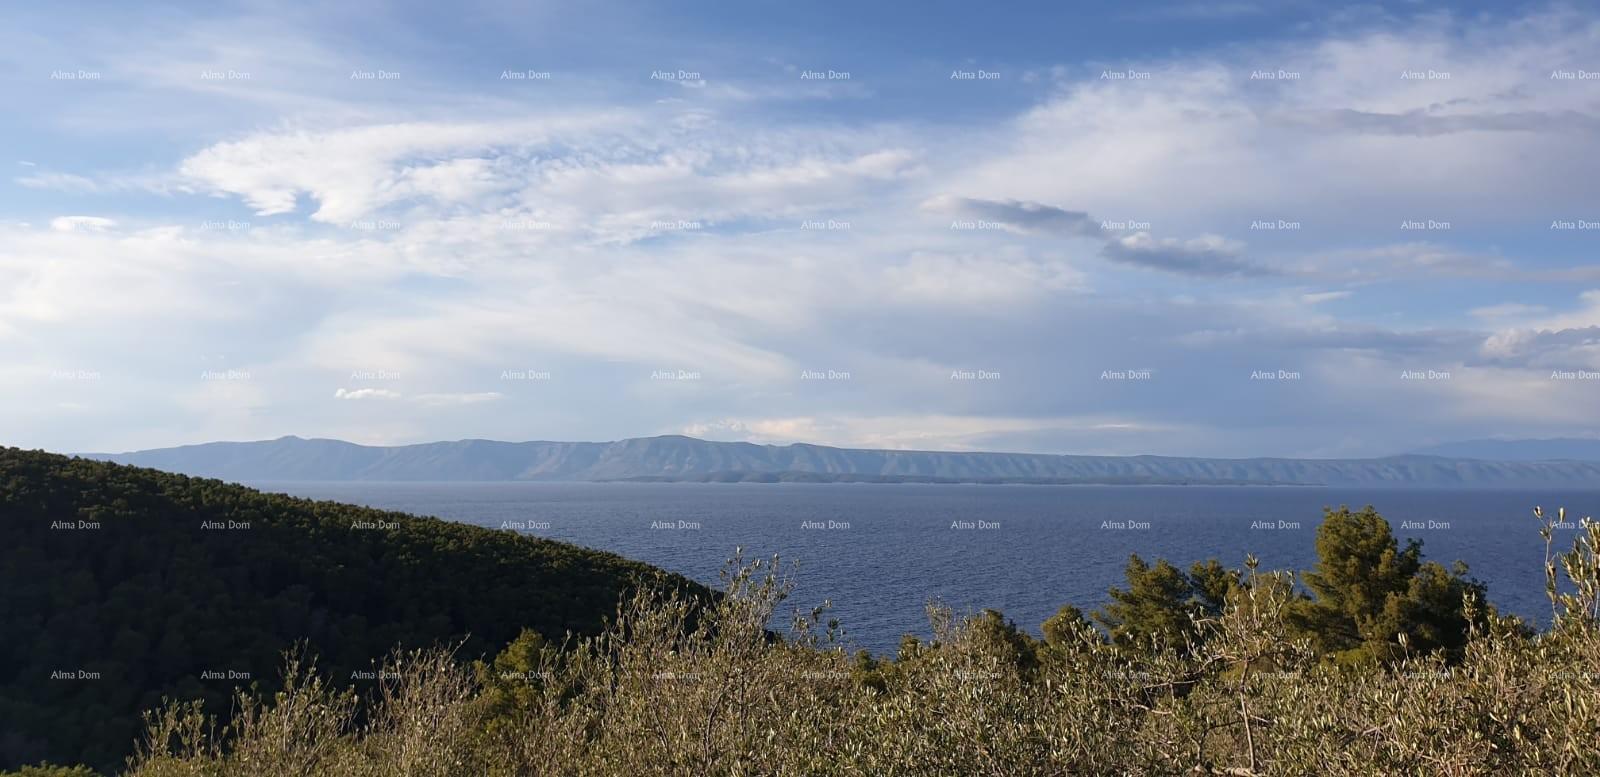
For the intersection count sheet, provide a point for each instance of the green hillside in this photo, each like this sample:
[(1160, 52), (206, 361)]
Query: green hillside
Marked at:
[(121, 585)]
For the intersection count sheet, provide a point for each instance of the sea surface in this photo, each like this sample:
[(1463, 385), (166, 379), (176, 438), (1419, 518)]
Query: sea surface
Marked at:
[(886, 550)]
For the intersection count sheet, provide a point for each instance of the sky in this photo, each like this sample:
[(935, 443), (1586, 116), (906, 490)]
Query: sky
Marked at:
[(1230, 228)]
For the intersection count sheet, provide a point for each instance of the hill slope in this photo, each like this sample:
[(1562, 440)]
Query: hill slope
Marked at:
[(121, 585), (686, 458)]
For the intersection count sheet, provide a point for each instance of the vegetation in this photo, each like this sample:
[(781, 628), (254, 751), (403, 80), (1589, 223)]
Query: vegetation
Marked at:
[(46, 770), (1248, 694), (1373, 662), (120, 586)]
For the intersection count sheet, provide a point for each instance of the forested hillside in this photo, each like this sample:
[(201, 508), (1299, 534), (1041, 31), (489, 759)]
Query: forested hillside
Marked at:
[(120, 585)]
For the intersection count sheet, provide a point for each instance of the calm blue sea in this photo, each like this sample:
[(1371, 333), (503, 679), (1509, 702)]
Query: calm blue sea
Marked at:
[(887, 550)]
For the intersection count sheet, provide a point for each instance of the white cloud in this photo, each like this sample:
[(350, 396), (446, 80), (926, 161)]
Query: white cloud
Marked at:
[(351, 172), (1568, 340), (1199, 144), (81, 223), (366, 393), (1319, 297)]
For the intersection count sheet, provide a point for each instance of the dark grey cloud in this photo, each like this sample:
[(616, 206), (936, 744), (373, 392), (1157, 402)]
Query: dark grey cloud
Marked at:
[(1020, 215), (1207, 257)]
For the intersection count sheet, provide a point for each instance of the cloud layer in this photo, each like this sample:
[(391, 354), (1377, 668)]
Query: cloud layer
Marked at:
[(1116, 258)]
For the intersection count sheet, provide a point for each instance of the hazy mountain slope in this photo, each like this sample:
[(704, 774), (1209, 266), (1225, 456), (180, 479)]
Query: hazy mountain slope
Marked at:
[(1561, 448), (675, 457)]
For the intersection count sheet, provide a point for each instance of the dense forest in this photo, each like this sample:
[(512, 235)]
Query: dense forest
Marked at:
[(120, 586), (1374, 661)]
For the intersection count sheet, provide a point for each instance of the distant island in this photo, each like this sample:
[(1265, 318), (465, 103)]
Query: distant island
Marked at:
[(824, 477), (678, 458), (1561, 448)]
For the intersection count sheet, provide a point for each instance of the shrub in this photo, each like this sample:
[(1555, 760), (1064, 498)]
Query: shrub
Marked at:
[(1248, 693)]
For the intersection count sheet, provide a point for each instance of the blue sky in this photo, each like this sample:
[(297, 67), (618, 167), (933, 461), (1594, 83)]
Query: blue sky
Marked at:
[(239, 221)]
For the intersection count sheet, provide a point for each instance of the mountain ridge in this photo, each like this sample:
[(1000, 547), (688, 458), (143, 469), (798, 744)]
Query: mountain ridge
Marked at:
[(678, 457), (1550, 449)]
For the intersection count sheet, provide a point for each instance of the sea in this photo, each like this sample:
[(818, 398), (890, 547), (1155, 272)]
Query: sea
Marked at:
[(878, 554)]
